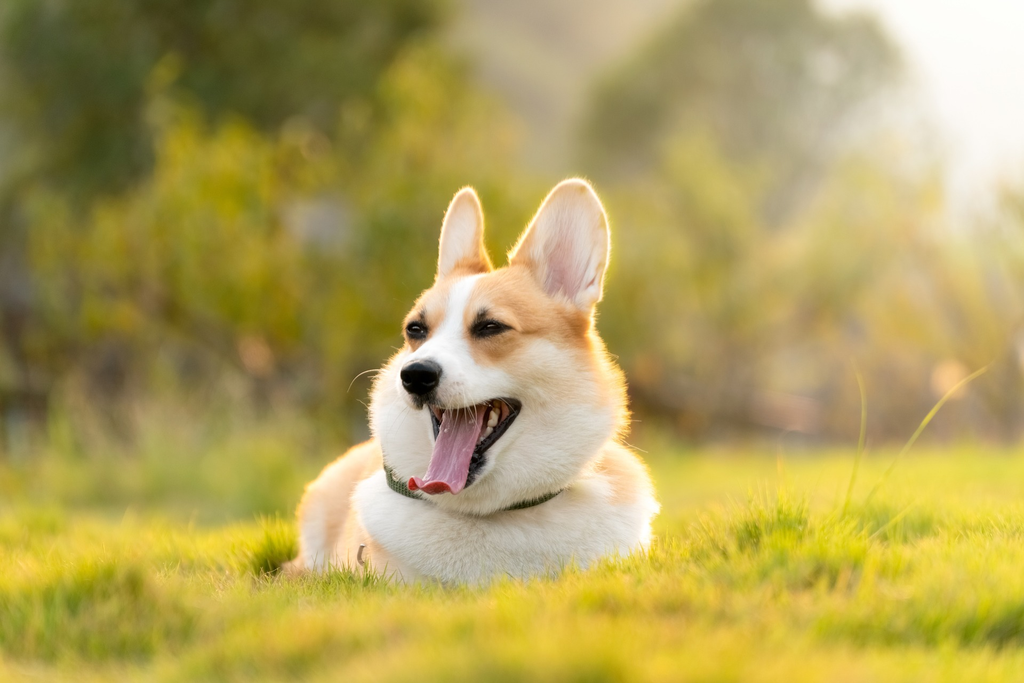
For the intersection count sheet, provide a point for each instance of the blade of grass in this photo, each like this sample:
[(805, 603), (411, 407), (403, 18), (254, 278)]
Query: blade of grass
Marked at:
[(892, 522), (920, 428), (861, 439)]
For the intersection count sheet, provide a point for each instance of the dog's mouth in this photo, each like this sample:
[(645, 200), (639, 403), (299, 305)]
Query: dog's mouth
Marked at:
[(461, 439)]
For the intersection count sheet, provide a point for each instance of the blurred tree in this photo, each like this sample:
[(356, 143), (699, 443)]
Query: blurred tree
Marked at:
[(280, 263), (223, 200), (75, 72), (723, 324), (779, 84), (88, 95)]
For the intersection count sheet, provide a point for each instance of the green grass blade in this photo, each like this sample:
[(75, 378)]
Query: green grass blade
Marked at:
[(861, 440), (921, 427)]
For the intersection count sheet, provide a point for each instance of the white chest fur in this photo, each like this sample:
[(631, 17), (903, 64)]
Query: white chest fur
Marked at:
[(580, 525)]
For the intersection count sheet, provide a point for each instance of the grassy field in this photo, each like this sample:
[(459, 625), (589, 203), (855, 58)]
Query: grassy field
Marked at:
[(153, 568)]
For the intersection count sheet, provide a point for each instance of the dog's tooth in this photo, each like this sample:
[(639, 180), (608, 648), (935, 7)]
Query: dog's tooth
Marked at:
[(492, 421), (488, 432)]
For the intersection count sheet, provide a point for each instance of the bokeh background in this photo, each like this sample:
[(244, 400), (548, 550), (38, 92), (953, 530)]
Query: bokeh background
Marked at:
[(214, 214)]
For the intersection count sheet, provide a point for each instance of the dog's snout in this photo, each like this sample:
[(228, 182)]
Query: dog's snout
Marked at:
[(421, 377)]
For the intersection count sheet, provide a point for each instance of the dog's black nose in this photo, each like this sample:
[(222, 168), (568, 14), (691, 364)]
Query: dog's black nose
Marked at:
[(421, 377)]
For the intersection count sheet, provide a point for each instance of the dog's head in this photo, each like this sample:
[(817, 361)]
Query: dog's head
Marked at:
[(503, 390)]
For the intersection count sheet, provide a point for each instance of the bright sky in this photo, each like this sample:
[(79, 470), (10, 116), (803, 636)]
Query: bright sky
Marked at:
[(968, 59)]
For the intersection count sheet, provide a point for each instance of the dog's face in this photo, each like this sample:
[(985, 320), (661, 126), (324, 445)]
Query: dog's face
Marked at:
[(503, 391)]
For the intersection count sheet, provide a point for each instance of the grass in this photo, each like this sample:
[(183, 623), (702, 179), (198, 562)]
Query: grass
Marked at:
[(765, 568)]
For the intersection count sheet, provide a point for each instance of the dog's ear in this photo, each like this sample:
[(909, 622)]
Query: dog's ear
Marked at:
[(566, 246), (462, 236)]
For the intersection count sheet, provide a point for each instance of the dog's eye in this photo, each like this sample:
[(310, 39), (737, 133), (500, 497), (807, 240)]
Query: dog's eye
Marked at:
[(489, 328), (416, 330)]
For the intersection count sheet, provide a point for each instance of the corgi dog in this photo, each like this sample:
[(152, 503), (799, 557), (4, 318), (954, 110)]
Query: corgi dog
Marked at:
[(496, 428)]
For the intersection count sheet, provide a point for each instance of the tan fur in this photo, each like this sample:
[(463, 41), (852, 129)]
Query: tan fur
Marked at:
[(329, 498), (627, 474), (556, 230), (512, 296), (462, 236), (432, 305)]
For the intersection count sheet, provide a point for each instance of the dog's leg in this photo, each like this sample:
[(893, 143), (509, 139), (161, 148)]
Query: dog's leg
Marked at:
[(326, 507)]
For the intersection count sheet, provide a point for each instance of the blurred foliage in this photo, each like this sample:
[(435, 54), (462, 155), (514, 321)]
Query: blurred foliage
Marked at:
[(270, 258), (223, 210), (76, 71), (752, 320), (779, 84), (778, 232)]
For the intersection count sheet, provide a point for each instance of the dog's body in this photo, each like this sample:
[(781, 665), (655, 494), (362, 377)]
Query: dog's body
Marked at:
[(495, 427)]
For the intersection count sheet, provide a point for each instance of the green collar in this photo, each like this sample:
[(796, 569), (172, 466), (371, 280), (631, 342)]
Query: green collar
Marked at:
[(399, 487)]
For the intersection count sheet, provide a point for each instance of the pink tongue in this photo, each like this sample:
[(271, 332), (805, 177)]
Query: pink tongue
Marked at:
[(453, 449)]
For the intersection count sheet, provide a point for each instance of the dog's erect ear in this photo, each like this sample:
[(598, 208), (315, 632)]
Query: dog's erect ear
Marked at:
[(566, 246), (462, 236)]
